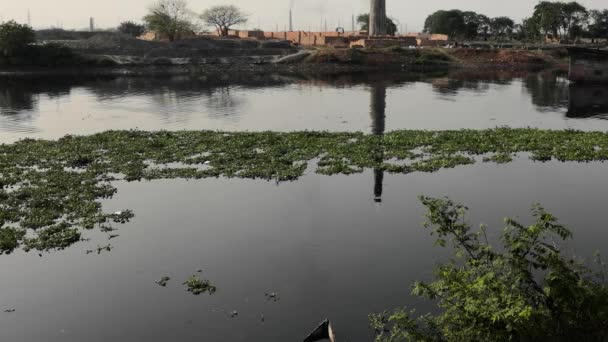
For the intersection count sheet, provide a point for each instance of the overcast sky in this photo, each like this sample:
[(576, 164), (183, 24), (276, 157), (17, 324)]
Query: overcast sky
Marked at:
[(267, 14)]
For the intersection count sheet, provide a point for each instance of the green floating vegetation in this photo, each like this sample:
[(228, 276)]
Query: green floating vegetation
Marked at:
[(198, 286), (50, 191), (526, 289)]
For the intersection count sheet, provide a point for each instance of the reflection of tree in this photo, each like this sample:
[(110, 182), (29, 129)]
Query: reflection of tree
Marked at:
[(224, 104), (588, 100), (549, 90), (378, 116), (19, 101), (19, 96)]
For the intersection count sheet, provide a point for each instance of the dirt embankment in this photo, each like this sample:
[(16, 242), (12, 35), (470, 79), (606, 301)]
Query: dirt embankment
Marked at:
[(435, 57)]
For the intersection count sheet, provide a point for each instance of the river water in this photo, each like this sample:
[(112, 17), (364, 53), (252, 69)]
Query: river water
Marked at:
[(337, 247)]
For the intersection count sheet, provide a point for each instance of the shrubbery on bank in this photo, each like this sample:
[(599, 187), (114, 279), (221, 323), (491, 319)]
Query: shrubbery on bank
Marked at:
[(18, 47)]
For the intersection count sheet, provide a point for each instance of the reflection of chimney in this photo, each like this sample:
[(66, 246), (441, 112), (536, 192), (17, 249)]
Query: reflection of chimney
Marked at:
[(378, 116), (290, 22), (378, 109)]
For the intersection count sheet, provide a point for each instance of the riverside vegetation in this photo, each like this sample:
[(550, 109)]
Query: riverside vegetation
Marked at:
[(51, 190), (524, 290)]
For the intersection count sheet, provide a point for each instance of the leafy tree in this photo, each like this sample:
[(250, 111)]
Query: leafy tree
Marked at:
[(170, 18), (575, 15), (549, 16), (524, 291), (15, 37), (502, 26), (475, 25), (224, 17), (446, 22), (132, 29), (530, 30), (363, 22), (598, 28)]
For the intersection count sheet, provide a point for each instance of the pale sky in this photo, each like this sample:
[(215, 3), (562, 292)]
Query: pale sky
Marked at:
[(266, 14)]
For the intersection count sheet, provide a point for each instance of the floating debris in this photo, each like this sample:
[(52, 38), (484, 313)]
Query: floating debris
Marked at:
[(10, 310), (234, 314), (198, 286), (99, 249), (272, 296), (163, 281)]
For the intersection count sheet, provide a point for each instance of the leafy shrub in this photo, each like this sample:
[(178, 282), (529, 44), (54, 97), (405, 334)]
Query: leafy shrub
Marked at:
[(14, 38), (525, 291)]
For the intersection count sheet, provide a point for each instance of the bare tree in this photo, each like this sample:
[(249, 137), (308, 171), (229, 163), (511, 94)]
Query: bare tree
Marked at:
[(170, 18), (223, 18)]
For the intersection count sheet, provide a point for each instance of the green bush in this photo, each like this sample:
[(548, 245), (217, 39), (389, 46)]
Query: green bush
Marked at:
[(524, 291), (14, 38)]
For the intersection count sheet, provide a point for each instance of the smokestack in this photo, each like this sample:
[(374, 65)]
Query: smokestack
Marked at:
[(377, 18), (290, 22), (353, 23), (29, 18), (91, 24)]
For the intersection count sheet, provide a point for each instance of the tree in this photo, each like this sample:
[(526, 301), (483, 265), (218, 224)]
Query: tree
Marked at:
[(223, 18), (473, 23), (549, 16), (526, 290), (170, 18), (502, 26), (363, 21), (530, 30), (574, 16), (15, 37), (446, 22), (598, 28), (132, 29)]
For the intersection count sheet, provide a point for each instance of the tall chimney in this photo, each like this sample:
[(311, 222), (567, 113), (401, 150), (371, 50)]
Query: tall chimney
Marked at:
[(290, 22), (91, 24), (377, 18)]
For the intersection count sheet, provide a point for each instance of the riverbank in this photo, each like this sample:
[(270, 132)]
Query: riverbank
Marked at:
[(314, 62)]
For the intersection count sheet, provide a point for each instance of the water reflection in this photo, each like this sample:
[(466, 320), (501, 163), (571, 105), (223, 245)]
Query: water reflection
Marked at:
[(548, 89), (474, 99), (378, 116), (588, 101)]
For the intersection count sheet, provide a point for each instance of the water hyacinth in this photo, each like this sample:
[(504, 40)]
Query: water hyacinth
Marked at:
[(51, 190)]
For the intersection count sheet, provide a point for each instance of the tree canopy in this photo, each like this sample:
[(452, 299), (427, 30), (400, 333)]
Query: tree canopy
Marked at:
[(132, 29), (170, 18), (15, 37), (224, 17)]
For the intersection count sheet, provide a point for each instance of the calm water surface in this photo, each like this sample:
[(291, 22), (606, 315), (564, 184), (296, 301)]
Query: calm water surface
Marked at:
[(324, 244)]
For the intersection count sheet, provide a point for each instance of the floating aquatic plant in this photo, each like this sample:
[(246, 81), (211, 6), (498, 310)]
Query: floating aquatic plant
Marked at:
[(50, 191), (198, 286)]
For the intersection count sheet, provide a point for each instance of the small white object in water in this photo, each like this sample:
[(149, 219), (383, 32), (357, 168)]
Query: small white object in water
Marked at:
[(207, 162), (118, 213)]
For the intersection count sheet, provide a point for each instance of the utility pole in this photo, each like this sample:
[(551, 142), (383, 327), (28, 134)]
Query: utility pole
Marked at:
[(353, 23), (91, 24), (29, 18)]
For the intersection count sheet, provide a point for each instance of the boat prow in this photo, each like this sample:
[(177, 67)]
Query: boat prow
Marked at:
[(324, 332)]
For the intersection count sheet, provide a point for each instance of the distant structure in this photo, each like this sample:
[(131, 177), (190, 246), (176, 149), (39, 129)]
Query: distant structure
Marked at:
[(91, 24), (377, 18), (290, 21), (29, 18)]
